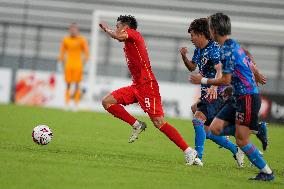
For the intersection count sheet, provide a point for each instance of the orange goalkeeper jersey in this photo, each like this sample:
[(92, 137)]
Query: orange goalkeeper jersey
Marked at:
[(74, 48)]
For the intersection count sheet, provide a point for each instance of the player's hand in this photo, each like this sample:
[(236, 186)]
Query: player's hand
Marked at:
[(104, 26), (211, 93), (195, 78), (227, 92), (85, 61), (261, 79), (248, 53), (86, 68), (59, 67), (183, 51)]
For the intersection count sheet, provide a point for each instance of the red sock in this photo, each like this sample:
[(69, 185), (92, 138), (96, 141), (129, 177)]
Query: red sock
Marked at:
[(174, 136), (118, 111)]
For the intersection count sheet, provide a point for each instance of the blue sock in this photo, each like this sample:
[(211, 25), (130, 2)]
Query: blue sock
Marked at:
[(229, 130), (222, 141), (200, 136), (254, 156)]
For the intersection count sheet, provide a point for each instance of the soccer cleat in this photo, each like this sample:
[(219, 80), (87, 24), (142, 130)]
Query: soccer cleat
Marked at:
[(74, 108), (262, 134), (137, 131), (198, 162), (263, 177), (67, 107), (190, 156), (239, 156)]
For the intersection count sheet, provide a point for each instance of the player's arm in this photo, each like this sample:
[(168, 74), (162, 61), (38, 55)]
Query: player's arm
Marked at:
[(191, 66), (248, 54), (218, 68), (120, 36), (63, 49), (61, 57), (259, 78), (85, 50), (212, 91), (224, 80)]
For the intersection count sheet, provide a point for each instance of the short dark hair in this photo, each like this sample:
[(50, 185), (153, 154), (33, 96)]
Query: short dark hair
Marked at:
[(200, 26), (73, 24), (129, 20), (220, 23)]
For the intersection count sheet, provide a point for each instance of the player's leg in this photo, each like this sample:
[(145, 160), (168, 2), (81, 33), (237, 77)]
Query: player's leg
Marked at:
[(262, 134), (78, 74), (205, 112), (246, 120), (77, 93), (193, 107), (123, 96), (150, 101), (226, 116), (75, 96), (68, 80), (67, 94), (198, 161), (174, 136), (223, 141), (253, 154), (222, 123), (113, 101), (169, 131), (200, 134), (221, 127)]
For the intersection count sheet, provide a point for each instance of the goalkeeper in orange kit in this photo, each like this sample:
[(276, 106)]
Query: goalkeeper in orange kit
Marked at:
[(74, 54)]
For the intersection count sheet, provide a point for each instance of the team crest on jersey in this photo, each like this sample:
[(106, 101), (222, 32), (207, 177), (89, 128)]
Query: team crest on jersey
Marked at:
[(240, 117), (204, 60)]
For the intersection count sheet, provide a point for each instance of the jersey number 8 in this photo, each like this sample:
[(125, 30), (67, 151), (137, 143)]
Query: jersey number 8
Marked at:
[(147, 102)]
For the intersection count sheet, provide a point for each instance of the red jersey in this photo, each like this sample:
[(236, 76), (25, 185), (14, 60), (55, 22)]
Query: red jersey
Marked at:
[(137, 58)]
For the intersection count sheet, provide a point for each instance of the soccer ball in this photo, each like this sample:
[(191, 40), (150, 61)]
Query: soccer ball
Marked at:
[(42, 134)]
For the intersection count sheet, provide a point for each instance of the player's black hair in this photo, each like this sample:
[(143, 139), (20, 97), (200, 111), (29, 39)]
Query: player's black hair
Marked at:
[(200, 26), (129, 20), (73, 24), (220, 23)]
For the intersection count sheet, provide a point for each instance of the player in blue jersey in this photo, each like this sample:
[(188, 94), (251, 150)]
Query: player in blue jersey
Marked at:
[(207, 58), (238, 71), (228, 111)]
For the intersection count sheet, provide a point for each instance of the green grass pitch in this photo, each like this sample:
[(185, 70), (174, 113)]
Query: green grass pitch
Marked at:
[(90, 150)]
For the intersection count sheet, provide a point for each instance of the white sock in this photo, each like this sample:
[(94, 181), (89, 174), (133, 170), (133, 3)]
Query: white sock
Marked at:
[(187, 150), (254, 132), (136, 125), (266, 170)]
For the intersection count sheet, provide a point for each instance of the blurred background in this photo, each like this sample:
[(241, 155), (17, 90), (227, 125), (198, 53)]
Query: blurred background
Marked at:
[(31, 31)]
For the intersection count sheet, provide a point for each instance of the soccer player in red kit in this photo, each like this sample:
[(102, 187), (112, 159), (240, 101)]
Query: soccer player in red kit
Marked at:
[(144, 89)]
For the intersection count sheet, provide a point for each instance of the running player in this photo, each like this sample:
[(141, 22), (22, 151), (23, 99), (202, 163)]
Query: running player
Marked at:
[(238, 71), (207, 58), (72, 48), (144, 89)]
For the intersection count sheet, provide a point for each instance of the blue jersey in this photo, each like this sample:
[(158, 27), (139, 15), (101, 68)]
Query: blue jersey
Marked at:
[(235, 62), (206, 59)]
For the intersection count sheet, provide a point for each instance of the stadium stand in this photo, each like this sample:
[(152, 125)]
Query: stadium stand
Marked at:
[(30, 32)]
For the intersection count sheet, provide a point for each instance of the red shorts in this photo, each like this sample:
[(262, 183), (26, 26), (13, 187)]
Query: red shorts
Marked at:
[(147, 95)]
